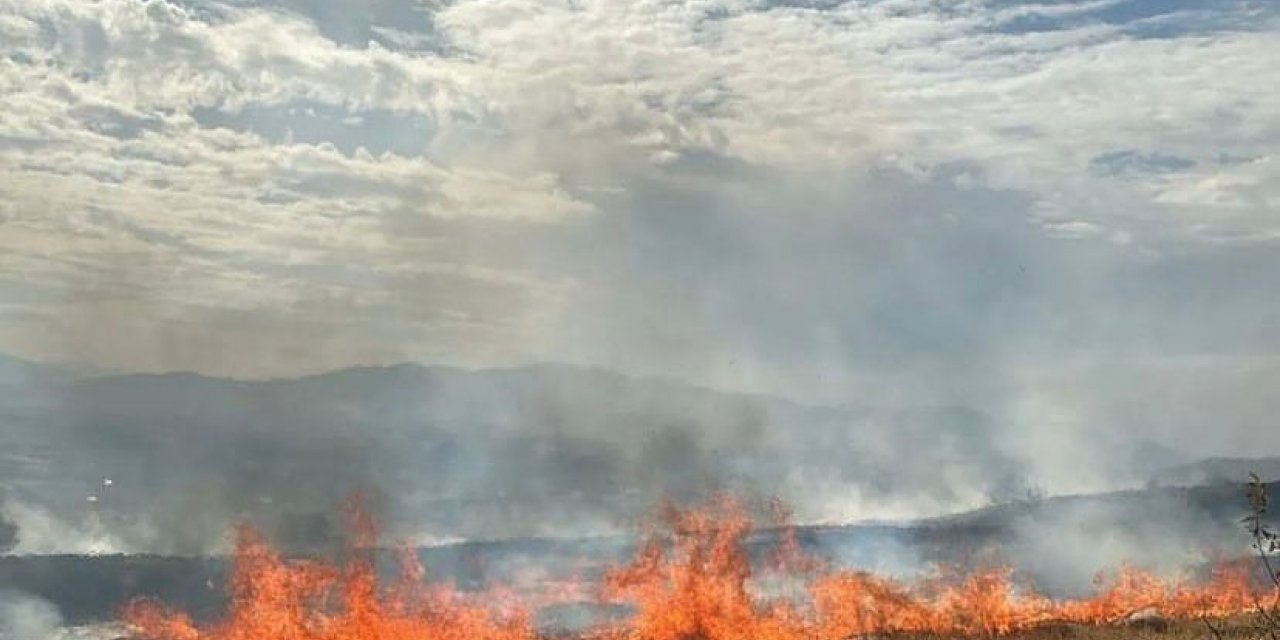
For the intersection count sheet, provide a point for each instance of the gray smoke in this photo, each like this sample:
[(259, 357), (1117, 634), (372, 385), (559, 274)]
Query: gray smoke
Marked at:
[(8, 532), (24, 617), (926, 335), (168, 462)]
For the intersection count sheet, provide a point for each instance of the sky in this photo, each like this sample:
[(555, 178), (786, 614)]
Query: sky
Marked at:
[(1068, 211)]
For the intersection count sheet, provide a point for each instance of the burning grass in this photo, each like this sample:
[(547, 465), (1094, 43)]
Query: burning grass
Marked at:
[(691, 579), (1235, 628)]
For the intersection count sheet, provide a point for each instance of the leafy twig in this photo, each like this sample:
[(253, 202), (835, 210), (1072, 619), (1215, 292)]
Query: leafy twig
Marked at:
[(1266, 542)]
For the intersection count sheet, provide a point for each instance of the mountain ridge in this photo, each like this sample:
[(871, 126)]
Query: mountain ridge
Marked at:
[(497, 453)]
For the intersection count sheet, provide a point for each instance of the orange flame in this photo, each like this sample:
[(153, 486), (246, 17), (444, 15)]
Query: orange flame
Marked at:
[(309, 600), (690, 579)]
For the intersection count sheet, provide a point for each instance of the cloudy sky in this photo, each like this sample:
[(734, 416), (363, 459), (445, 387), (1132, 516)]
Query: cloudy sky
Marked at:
[(1069, 209)]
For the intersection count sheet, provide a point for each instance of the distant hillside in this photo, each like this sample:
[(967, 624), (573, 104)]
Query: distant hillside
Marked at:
[(168, 462), (19, 373), (1217, 471)]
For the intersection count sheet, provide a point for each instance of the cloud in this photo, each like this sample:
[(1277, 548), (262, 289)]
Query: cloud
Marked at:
[(123, 198), (240, 158)]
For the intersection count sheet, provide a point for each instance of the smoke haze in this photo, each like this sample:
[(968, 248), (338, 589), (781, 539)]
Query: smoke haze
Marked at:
[(880, 259), (23, 617), (167, 463)]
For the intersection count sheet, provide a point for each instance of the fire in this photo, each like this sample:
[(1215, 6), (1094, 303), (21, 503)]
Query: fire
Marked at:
[(277, 599), (691, 578), (696, 584)]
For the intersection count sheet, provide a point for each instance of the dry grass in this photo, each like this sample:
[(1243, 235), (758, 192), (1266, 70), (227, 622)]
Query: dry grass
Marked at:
[(1239, 628)]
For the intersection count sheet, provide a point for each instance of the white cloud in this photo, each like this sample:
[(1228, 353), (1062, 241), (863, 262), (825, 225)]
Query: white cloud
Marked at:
[(116, 197), (839, 88), (148, 153)]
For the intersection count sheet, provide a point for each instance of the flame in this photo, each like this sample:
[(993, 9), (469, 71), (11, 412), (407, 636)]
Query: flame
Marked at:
[(690, 579), (278, 599), (696, 585)]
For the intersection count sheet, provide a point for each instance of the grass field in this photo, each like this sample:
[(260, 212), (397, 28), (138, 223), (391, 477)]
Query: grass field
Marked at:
[(1237, 628)]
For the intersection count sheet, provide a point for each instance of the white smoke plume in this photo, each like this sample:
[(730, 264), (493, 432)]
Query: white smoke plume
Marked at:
[(24, 617)]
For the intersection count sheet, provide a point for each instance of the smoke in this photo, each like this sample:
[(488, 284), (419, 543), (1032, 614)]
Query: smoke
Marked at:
[(168, 463), (937, 347), (39, 530), (24, 617), (8, 531), (1064, 553), (1062, 544)]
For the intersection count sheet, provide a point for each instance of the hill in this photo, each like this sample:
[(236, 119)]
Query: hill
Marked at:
[(1216, 471), (167, 462)]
